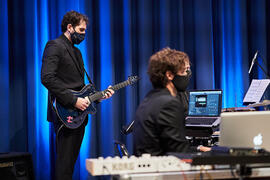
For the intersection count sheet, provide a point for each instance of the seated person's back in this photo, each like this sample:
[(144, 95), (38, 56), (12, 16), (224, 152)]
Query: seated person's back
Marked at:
[(159, 122)]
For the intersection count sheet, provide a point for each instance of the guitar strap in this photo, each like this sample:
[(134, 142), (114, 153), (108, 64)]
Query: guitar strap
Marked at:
[(88, 78)]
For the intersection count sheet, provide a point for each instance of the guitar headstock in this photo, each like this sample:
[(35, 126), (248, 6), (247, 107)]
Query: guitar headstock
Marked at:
[(133, 79)]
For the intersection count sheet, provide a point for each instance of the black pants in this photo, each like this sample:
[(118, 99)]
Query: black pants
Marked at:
[(68, 143)]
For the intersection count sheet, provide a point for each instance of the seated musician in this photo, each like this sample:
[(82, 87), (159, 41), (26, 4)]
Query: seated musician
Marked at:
[(159, 125)]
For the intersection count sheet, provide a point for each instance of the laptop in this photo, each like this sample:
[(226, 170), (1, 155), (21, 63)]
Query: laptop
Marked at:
[(245, 129), (204, 108)]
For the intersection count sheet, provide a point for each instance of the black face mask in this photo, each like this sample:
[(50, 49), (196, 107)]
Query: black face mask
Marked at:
[(181, 82), (77, 38)]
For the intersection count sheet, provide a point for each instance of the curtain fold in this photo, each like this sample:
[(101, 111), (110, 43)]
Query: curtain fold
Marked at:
[(4, 73), (220, 37)]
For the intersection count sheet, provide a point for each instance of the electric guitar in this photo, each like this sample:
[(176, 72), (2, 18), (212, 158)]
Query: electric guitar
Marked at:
[(72, 117)]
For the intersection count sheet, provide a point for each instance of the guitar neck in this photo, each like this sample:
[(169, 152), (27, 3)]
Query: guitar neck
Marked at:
[(120, 85), (98, 95)]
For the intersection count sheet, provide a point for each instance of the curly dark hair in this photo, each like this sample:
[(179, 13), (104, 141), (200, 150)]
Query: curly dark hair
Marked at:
[(74, 18), (165, 60)]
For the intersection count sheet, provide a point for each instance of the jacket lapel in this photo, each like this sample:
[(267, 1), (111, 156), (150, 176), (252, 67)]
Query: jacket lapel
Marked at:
[(73, 57)]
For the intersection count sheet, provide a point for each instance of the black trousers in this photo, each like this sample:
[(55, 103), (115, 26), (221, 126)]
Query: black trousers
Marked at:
[(68, 143)]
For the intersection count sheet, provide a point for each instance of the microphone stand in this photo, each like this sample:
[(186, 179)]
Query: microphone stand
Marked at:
[(265, 107), (264, 71), (267, 76)]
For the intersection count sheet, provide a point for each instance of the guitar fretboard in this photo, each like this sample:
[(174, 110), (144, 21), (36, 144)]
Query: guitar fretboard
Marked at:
[(120, 85), (100, 94)]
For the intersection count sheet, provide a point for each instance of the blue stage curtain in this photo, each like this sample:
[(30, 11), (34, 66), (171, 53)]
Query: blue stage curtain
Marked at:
[(4, 74), (221, 37)]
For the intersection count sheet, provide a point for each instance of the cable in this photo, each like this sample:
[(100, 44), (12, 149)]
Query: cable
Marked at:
[(182, 171), (202, 172)]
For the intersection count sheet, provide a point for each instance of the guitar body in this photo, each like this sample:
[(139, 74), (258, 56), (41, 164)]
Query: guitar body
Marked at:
[(74, 118)]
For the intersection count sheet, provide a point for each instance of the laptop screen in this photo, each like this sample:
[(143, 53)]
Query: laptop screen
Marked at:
[(205, 103), (245, 129)]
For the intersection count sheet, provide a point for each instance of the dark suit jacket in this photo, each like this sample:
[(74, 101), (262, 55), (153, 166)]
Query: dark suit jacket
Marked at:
[(159, 125), (62, 69)]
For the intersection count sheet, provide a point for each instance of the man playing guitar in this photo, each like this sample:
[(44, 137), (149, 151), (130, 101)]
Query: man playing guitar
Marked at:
[(62, 71)]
